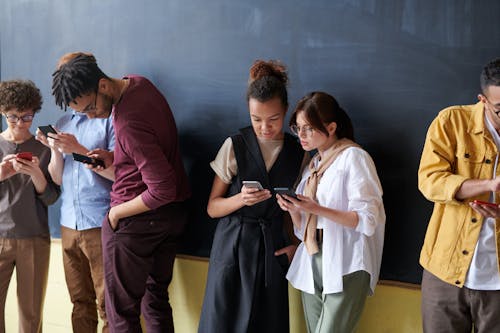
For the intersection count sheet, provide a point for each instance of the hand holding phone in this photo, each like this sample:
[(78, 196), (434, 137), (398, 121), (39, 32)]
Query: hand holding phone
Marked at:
[(286, 191), (88, 160), (253, 184), (25, 155), (485, 203)]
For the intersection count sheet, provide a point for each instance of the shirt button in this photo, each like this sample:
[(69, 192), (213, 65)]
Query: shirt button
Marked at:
[(151, 224), (457, 282), (473, 220), (465, 252), (487, 161), (467, 155)]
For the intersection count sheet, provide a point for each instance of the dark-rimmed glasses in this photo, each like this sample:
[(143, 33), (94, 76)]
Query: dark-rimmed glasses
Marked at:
[(12, 118)]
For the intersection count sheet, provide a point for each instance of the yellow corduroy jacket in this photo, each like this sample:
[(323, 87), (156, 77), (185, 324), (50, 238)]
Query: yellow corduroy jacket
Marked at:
[(458, 147)]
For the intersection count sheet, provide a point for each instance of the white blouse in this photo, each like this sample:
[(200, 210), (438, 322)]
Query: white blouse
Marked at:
[(349, 184)]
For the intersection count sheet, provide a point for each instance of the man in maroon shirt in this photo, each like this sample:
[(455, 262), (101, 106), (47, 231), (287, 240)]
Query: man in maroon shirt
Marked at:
[(147, 213)]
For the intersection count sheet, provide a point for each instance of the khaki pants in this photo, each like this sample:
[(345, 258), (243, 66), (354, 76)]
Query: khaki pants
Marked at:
[(83, 268), (30, 257), (339, 312), (448, 308)]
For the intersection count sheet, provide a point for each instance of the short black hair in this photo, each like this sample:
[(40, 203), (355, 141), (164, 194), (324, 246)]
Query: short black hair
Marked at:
[(21, 95), (77, 77), (490, 76)]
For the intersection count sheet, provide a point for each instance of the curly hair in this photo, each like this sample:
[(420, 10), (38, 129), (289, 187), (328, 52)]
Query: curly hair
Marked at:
[(490, 76), (20, 95), (78, 76), (268, 79)]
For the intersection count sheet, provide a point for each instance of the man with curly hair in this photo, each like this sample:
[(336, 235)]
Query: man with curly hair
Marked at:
[(147, 214), (26, 190)]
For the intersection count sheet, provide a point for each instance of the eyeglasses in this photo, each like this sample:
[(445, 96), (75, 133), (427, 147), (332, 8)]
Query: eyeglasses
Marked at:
[(12, 118), (495, 111), (307, 130), (91, 107)]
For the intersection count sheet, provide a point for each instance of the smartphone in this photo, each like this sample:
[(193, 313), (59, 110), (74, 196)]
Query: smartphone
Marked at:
[(253, 184), (25, 155), (47, 129), (88, 160), (287, 191), (484, 203)]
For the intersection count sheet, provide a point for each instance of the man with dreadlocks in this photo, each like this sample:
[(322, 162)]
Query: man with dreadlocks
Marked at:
[(147, 214)]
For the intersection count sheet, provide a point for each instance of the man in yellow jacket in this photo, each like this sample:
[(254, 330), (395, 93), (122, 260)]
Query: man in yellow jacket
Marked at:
[(460, 255)]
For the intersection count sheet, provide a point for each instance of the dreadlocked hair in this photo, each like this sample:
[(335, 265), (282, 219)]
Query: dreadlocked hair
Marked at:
[(79, 76)]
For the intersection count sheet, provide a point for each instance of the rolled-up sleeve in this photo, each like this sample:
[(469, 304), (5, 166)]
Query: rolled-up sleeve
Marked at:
[(436, 178), (51, 193), (364, 191), (156, 171)]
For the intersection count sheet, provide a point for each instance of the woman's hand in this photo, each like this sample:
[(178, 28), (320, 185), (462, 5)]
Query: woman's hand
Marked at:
[(251, 196), (288, 250)]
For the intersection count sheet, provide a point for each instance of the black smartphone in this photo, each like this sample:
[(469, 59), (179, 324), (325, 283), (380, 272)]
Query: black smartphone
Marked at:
[(47, 129), (287, 191), (88, 160)]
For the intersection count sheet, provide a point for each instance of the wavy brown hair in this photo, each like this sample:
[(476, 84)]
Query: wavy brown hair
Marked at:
[(20, 95)]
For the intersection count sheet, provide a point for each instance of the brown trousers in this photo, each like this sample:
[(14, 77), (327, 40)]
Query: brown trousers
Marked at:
[(447, 308), (83, 268), (30, 257)]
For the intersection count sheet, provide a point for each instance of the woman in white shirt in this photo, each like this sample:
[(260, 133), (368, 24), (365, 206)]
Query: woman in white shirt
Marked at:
[(339, 216)]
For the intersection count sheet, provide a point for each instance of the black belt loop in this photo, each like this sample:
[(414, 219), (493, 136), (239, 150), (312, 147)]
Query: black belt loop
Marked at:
[(319, 236)]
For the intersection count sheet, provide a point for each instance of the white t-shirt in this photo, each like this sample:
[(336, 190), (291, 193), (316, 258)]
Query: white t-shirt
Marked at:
[(483, 271)]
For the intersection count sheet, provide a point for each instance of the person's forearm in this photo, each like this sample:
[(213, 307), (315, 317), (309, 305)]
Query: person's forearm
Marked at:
[(129, 208), (219, 207), (56, 166), (473, 187), (108, 173), (346, 218), (39, 181)]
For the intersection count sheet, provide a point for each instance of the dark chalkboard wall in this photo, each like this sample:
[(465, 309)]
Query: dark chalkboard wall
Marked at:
[(393, 64)]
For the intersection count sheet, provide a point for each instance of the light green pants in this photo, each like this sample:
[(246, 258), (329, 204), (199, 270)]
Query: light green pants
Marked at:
[(339, 312)]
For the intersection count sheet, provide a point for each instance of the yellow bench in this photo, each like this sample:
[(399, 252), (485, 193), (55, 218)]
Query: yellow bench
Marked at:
[(395, 307)]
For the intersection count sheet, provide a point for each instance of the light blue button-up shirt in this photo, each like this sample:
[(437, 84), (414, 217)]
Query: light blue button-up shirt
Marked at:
[(85, 194)]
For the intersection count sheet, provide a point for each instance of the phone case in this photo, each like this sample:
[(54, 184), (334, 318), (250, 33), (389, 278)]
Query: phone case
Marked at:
[(47, 129), (25, 155), (88, 160), (286, 191)]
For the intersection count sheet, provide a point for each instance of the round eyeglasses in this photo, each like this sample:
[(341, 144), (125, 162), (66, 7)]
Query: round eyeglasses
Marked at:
[(307, 130)]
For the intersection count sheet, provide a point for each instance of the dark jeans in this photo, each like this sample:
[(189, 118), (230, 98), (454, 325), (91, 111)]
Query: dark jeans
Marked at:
[(138, 262), (447, 308)]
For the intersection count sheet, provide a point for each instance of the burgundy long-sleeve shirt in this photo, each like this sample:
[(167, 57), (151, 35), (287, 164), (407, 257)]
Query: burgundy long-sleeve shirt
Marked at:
[(147, 157)]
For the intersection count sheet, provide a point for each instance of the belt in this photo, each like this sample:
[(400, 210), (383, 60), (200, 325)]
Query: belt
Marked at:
[(268, 244), (319, 236)]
